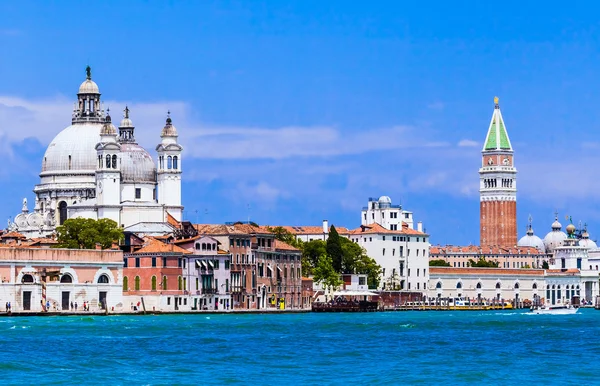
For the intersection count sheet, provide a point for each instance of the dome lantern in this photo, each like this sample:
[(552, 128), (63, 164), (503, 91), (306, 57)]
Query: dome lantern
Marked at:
[(88, 107), (126, 128)]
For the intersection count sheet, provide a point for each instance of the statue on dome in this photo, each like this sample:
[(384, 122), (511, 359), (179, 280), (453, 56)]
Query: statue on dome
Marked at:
[(88, 72), (24, 209)]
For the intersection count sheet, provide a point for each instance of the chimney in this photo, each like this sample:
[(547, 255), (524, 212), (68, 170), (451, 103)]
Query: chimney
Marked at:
[(420, 226), (325, 227)]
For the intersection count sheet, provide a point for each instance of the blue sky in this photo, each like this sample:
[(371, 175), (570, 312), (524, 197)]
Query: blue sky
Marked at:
[(294, 112)]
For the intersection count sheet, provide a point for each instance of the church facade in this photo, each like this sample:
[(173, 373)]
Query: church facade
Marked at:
[(92, 169)]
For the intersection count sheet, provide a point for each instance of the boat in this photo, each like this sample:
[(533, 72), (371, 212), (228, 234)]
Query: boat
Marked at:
[(554, 310)]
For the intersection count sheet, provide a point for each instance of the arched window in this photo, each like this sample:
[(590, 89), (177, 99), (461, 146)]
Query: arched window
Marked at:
[(534, 286), (125, 284), (180, 283), (498, 285), (62, 212), (175, 162), (108, 161), (214, 247), (66, 278), (438, 285), (27, 279), (153, 283), (169, 162), (103, 279), (459, 285), (204, 246), (114, 161), (164, 283), (478, 285), (516, 285), (137, 283)]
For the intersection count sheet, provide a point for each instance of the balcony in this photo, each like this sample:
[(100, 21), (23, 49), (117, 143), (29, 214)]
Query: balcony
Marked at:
[(209, 291)]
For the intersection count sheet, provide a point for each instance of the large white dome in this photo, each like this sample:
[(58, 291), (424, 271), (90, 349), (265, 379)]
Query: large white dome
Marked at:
[(136, 164), (74, 149), (554, 239), (531, 240)]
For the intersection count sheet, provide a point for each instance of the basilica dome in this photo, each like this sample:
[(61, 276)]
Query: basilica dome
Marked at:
[(73, 149), (531, 240), (89, 87), (555, 238), (136, 164), (587, 242)]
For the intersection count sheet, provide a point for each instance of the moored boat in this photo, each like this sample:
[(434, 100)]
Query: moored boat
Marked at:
[(554, 310)]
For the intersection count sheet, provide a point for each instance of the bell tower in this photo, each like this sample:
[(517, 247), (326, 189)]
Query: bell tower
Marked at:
[(169, 170), (497, 186)]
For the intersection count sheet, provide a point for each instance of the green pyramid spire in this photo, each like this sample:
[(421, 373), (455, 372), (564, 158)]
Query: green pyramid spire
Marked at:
[(497, 136)]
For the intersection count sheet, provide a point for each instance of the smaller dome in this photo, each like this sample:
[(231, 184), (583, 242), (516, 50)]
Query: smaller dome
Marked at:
[(570, 229), (137, 166), (89, 87), (385, 200), (108, 128), (556, 225), (169, 130), (531, 240), (126, 122)]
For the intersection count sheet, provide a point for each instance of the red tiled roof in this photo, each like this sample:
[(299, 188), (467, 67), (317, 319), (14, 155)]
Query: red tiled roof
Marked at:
[(172, 221), (152, 245), (474, 271), (308, 230), (13, 235), (283, 246), (486, 250), (236, 229), (376, 228)]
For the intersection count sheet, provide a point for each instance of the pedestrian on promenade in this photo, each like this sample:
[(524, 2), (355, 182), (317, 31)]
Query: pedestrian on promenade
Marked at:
[(71, 306)]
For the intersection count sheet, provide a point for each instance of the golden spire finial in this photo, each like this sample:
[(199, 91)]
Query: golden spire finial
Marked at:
[(496, 99)]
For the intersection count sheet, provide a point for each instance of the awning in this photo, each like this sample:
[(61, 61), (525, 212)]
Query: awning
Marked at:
[(198, 264), (279, 268), (269, 268), (211, 263), (355, 293), (203, 263)]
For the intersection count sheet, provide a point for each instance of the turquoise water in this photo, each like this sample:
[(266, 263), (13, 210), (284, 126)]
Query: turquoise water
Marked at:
[(373, 348)]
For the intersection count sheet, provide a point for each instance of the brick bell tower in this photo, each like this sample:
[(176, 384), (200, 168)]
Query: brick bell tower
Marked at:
[(497, 186)]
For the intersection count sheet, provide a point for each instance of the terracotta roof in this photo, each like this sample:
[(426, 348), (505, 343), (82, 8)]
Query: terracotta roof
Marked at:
[(13, 235), (222, 252), (236, 229), (283, 246), (44, 240), (172, 221), (181, 241), (308, 230), (474, 271), (567, 272), (376, 228), (486, 250), (152, 245)]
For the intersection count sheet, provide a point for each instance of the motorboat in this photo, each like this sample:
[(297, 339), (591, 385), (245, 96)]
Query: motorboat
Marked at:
[(554, 310)]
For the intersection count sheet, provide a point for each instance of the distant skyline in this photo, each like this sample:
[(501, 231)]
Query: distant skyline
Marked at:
[(292, 113)]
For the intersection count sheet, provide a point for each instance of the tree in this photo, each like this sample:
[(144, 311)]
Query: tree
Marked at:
[(483, 263), (545, 265), (85, 233), (334, 249), (325, 274), (438, 263), (311, 251), (356, 260)]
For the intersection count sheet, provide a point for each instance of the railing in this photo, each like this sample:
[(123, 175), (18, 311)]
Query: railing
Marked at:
[(209, 291)]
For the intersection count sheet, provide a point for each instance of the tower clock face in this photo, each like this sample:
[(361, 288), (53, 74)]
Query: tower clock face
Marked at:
[(490, 161)]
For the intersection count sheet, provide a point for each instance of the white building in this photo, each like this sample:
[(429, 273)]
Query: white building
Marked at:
[(381, 211), (310, 233), (402, 254), (91, 170)]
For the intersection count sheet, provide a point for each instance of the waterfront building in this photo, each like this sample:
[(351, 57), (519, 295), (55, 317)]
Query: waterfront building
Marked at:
[(486, 283), (497, 186), (307, 293), (207, 274), (153, 276), (403, 254), (33, 276), (92, 169), (507, 257)]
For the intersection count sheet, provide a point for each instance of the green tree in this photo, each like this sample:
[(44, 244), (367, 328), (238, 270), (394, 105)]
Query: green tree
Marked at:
[(334, 249), (545, 265), (438, 263), (85, 233), (311, 251), (356, 260), (483, 263), (325, 274)]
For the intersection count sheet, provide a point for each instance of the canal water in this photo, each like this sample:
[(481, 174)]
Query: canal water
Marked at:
[(371, 348)]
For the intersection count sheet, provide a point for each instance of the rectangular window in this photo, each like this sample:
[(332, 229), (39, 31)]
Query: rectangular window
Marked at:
[(154, 194), (179, 262), (227, 285), (231, 242), (383, 253), (227, 264), (383, 238), (125, 262), (217, 285), (269, 243), (168, 301), (137, 262), (216, 264), (138, 193), (237, 242), (164, 261), (153, 262), (197, 284)]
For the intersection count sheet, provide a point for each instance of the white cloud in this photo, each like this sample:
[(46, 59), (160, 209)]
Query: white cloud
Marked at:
[(467, 143)]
